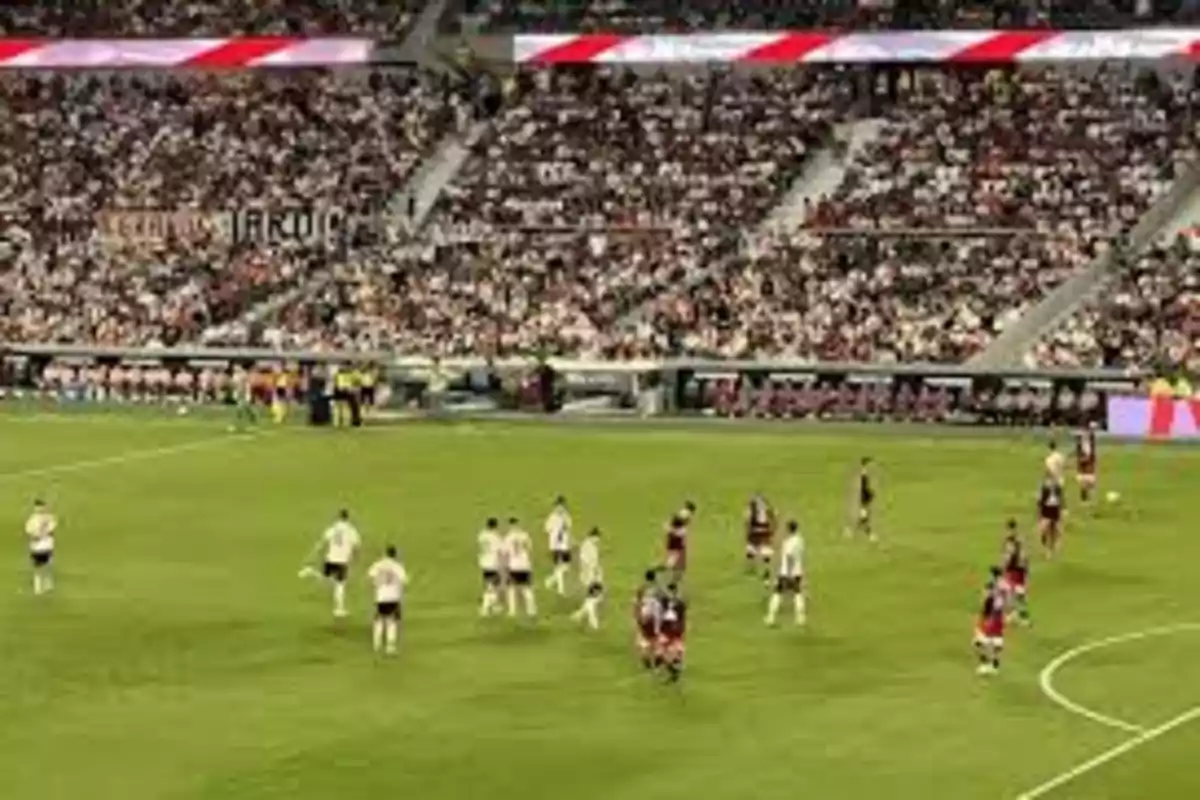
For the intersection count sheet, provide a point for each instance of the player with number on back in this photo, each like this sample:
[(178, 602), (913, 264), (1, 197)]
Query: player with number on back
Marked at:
[(40, 529), (1050, 513), (791, 576), (491, 558), (341, 541), (989, 629), (558, 533), (760, 535), (1085, 461), (389, 578), (592, 576), (518, 561)]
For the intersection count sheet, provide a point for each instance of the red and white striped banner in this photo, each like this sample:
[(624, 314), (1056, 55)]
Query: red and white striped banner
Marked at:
[(821, 47), (228, 53)]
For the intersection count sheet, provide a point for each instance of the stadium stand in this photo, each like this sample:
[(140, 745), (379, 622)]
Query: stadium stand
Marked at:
[(1148, 316), (81, 145)]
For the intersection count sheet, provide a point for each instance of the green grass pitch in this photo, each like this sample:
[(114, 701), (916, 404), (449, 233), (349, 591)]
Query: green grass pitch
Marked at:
[(182, 658)]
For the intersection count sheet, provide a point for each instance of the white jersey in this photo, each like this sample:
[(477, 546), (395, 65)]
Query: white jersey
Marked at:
[(40, 528), (590, 571), (791, 558), (341, 540), (558, 530), (389, 578), (1055, 465), (516, 550), (491, 550)]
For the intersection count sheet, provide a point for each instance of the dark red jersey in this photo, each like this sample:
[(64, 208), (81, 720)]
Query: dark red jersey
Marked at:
[(991, 613), (673, 618), (1050, 500), (760, 520), (647, 607), (676, 540)]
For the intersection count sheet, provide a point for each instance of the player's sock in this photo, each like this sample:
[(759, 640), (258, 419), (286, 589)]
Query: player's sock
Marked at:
[(766, 569), (391, 632), (674, 671), (773, 608), (48, 582), (801, 608), (37, 583), (751, 558), (339, 599), (560, 579), (377, 635), (530, 602), (512, 600), (591, 611)]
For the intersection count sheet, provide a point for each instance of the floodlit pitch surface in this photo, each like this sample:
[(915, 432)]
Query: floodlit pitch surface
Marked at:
[(183, 659)]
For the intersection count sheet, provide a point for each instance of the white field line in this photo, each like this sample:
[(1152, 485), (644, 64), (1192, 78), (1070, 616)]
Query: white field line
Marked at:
[(123, 458), (1144, 735), (1108, 755)]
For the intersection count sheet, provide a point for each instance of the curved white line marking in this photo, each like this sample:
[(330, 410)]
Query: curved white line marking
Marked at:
[(1046, 678), (1143, 736)]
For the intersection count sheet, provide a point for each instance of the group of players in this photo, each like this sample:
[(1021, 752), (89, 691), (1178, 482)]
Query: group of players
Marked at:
[(1006, 594), (659, 608)]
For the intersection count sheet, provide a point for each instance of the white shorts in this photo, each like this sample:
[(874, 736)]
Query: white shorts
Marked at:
[(992, 642)]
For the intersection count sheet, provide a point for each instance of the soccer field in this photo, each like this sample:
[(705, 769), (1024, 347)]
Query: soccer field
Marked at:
[(181, 658)]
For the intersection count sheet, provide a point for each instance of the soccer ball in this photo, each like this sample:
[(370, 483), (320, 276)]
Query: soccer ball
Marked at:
[(1112, 497)]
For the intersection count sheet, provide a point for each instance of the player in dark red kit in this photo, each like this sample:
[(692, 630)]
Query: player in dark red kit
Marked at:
[(760, 535), (676, 546), (1050, 513), (866, 498), (1085, 461), (1016, 574), (647, 607), (989, 629), (672, 632)]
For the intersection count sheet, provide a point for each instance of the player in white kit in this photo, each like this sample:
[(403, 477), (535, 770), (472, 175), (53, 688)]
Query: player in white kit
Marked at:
[(558, 533), (341, 541), (1055, 463), (491, 558), (518, 561), (592, 576), (791, 576), (39, 530), (389, 578)]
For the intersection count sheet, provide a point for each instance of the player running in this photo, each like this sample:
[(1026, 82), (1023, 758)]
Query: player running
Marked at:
[(1085, 461), (672, 630), (1050, 513), (39, 531), (558, 532), (518, 562), (1016, 575), (760, 534), (647, 608), (989, 630), (389, 578), (341, 541), (865, 499), (791, 576), (592, 576), (491, 561)]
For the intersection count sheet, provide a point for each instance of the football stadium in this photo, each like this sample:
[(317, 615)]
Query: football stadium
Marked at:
[(599, 400)]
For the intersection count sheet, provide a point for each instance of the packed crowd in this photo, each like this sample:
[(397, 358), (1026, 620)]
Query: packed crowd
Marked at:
[(1148, 315), (595, 191), (81, 146), (169, 18)]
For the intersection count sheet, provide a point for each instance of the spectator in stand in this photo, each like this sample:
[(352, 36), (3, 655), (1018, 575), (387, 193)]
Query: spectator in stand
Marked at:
[(82, 145), (1148, 315)]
